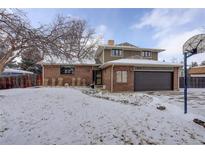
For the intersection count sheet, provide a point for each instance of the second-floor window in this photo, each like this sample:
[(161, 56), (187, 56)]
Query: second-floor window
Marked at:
[(146, 53), (116, 52)]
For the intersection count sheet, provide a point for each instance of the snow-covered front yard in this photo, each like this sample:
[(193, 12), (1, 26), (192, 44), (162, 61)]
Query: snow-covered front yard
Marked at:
[(83, 116), (196, 99)]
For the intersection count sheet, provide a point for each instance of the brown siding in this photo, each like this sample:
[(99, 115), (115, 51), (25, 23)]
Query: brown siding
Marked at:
[(130, 53), (155, 55), (106, 78), (83, 72), (126, 54), (108, 57), (129, 86), (100, 57)]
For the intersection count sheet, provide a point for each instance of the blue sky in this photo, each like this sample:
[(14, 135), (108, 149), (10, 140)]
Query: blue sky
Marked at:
[(157, 28)]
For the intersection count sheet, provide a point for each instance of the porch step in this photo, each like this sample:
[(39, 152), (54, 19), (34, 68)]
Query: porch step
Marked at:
[(99, 86)]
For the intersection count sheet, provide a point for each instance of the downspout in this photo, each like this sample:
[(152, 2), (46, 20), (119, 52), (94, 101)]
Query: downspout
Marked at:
[(43, 75), (103, 56), (111, 82), (178, 77)]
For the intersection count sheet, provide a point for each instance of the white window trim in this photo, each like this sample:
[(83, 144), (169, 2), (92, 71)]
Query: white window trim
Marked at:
[(117, 55), (147, 53), (121, 76), (124, 76)]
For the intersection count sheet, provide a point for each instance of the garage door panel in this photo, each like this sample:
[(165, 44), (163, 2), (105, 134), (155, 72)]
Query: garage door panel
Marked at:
[(148, 81)]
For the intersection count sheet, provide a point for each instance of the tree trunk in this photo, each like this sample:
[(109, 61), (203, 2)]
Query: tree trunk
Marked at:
[(1, 68)]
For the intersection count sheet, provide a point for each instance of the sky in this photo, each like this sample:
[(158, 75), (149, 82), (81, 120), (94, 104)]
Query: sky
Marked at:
[(149, 28)]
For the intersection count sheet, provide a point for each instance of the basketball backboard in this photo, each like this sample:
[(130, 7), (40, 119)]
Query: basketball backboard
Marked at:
[(195, 44)]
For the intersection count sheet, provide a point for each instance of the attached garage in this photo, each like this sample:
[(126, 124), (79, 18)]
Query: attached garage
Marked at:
[(153, 80), (140, 75)]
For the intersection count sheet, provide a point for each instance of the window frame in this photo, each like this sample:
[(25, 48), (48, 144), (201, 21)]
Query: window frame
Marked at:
[(147, 53), (65, 71), (117, 52), (121, 76)]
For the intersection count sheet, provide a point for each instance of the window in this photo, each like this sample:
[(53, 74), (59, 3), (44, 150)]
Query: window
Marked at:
[(67, 69), (116, 52), (146, 53), (121, 76)]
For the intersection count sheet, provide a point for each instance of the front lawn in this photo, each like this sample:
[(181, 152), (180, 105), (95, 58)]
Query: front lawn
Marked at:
[(68, 116)]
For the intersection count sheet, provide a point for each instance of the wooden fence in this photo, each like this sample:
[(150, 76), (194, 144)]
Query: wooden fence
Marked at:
[(193, 82), (20, 81)]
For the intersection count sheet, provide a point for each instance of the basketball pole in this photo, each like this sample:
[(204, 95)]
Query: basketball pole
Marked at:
[(194, 45), (185, 82)]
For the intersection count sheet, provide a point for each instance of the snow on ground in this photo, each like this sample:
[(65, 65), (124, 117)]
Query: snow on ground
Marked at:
[(196, 99), (67, 116)]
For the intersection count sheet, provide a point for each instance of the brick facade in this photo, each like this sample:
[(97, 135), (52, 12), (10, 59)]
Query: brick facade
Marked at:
[(129, 86), (81, 71), (109, 77), (113, 86), (106, 78), (176, 78)]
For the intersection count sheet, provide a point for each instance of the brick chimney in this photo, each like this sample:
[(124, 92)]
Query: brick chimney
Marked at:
[(111, 42)]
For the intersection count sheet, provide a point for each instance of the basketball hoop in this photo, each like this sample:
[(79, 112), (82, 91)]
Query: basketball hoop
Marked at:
[(192, 46)]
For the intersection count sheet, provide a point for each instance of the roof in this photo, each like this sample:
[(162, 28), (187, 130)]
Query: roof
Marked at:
[(125, 46), (8, 72), (57, 61), (201, 66), (140, 62), (197, 70), (197, 75)]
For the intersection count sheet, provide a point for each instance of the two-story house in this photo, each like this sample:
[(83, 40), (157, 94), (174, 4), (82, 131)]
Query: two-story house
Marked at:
[(118, 67)]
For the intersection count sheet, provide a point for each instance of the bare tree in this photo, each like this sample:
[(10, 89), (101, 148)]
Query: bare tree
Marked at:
[(202, 63), (174, 60), (71, 39), (65, 39), (16, 36), (193, 64)]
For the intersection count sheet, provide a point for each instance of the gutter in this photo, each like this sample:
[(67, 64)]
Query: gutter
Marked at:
[(132, 48), (145, 65), (103, 56), (57, 64), (111, 80), (43, 76)]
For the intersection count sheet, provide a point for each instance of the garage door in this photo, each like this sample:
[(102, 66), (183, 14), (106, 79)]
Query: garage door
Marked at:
[(148, 81)]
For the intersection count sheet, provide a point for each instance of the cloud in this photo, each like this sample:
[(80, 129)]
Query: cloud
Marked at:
[(103, 33), (164, 18), (172, 27), (101, 29), (173, 44)]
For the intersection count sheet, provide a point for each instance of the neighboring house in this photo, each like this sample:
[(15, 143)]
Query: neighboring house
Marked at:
[(118, 67), (14, 72), (197, 71)]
